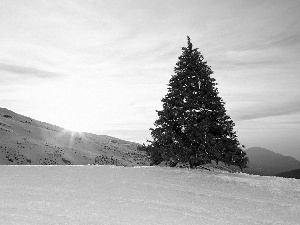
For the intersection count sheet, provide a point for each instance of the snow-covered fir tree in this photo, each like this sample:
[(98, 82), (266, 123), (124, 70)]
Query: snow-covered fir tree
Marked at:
[(193, 126)]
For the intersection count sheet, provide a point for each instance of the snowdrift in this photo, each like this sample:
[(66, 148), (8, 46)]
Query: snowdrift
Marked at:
[(143, 195)]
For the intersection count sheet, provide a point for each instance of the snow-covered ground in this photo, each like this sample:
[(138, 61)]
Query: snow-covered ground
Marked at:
[(143, 195)]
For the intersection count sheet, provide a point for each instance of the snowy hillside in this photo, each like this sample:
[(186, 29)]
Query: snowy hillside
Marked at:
[(27, 141), (143, 195)]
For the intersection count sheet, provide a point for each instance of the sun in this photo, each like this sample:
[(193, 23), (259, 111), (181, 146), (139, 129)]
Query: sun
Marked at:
[(71, 137), (73, 128)]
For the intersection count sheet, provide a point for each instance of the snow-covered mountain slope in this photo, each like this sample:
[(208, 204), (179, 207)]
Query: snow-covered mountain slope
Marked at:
[(144, 195), (27, 141)]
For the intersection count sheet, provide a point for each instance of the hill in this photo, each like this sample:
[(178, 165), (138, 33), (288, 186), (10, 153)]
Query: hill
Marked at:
[(24, 140), (265, 162), (290, 174)]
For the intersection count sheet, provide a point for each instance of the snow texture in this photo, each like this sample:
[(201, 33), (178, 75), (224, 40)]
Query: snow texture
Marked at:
[(143, 195)]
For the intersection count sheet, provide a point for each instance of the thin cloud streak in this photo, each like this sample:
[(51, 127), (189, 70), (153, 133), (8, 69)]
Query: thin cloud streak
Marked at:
[(30, 71), (261, 112)]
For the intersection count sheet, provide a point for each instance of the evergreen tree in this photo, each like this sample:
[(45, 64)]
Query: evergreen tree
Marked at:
[(193, 126)]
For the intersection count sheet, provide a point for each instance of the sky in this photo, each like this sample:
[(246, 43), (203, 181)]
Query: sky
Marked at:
[(103, 66)]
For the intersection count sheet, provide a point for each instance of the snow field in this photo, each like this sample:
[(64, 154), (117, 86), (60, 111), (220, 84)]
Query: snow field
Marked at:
[(143, 195)]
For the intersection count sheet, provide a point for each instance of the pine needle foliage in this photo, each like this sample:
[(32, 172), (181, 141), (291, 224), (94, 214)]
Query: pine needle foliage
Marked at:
[(193, 126)]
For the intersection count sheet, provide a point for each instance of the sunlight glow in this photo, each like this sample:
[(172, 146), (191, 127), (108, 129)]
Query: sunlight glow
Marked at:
[(72, 137)]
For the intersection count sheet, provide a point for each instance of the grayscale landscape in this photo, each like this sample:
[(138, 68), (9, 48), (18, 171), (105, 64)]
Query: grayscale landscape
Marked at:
[(147, 112), (120, 188)]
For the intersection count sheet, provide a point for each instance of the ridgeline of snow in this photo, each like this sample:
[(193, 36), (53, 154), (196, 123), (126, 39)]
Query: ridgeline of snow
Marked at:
[(143, 195)]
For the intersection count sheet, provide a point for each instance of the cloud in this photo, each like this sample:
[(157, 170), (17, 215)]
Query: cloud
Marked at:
[(278, 41), (264, 111), (286, 41), (30, 71)]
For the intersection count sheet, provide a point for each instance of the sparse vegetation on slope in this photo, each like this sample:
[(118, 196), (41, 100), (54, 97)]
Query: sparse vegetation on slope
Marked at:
[(27, 141)]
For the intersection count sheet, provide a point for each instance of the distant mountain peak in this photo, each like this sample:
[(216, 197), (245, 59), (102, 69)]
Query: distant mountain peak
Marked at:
[(266, 162)]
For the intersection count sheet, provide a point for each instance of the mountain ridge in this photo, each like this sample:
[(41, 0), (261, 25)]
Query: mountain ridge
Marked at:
[(265, 162), (290, 174), (24, 140)]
